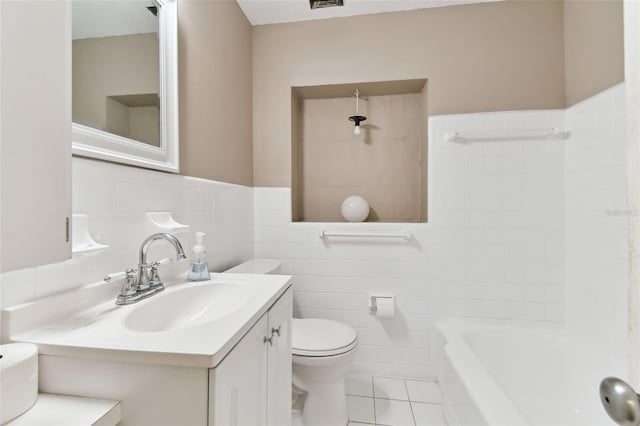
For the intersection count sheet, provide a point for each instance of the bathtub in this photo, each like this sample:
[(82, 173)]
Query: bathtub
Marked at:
[(497, 375)]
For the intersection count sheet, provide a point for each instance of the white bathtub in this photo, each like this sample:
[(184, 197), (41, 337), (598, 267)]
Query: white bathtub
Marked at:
[(514, 375)]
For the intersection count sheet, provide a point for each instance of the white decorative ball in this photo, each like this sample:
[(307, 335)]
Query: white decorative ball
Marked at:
[(355, 209)]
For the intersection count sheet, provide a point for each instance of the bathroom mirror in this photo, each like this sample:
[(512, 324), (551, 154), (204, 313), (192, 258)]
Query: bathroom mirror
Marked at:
[(125, 82)]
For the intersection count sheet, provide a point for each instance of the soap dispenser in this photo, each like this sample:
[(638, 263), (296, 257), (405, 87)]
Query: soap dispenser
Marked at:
[(199, 270)]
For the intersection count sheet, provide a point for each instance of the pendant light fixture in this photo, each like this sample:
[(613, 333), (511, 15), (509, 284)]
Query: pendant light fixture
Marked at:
[(357, 118)]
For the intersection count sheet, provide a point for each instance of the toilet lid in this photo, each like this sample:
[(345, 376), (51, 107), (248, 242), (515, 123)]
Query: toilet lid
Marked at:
[(320, 337)]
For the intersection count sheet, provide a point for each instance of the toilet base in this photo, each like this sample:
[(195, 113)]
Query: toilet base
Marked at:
[(322, 381), (296, 418), (325, 405)]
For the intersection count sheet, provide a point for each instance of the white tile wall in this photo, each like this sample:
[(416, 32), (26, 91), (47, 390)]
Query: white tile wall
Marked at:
[(493, 247), (116, 198), (596, 222)]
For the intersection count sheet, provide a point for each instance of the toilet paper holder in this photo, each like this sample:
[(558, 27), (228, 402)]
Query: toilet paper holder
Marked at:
[(373, 302)]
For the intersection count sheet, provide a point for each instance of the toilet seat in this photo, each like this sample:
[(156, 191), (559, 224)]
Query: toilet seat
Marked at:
[(321, 338)]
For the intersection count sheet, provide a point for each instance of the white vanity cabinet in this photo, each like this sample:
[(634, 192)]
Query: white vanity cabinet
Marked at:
[(234, 370), (35, 133), (252, 385)]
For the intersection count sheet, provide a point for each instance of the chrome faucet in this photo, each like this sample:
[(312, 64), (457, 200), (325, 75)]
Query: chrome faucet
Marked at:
[(144, 281)]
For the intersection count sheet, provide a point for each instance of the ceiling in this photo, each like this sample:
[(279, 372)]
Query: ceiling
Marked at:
[(92, 18), (380, 88), (260, 12)]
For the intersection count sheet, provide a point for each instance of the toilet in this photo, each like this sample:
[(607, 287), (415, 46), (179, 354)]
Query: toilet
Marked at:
[(322, 353)]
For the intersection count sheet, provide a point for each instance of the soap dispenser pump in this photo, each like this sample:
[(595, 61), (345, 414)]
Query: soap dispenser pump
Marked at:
[(199, 269)]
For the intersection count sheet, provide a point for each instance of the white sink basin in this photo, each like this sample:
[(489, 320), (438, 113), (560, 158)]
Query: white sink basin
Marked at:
[(18, 379), (189, 324), (188, 306)]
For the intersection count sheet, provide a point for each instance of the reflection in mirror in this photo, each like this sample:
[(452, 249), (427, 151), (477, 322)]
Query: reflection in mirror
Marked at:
[(116, 67), (125, 82)]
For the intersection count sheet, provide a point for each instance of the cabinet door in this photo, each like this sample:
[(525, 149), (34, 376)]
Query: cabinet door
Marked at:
[(238, 385), (279, 362), (35, 132)]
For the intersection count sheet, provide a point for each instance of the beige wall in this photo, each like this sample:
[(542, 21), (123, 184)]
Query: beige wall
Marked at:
[(594, 47), (113, 66), (481, 57), (384, 164), (215, 91)]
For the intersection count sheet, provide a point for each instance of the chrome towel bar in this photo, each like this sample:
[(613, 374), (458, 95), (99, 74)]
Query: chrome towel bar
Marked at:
[(403, 235), (522, 135)]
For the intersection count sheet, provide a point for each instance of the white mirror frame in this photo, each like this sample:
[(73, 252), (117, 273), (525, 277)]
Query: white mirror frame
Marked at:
[(94, 143)]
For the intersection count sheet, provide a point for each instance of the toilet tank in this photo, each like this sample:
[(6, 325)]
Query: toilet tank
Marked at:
[(256, 266)]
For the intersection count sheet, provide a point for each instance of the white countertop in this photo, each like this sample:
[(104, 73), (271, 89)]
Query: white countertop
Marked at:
[(86, 323), (66, 410)]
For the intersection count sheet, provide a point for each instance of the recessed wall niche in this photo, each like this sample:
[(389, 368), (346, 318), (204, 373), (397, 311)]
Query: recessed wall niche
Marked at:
[(386, 164)]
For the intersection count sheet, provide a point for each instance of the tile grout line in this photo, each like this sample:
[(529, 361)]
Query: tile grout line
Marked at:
[(389, 399), (413, 416), (373, 392), (426, 403)]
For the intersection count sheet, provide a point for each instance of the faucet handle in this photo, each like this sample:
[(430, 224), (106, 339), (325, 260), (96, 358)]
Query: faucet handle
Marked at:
[(117, 275), (154, 277), (131, 285)]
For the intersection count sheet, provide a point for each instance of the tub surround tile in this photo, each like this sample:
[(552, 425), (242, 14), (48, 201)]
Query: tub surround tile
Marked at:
[(360, 409), (596, 218), (390, 412), (420, 391), (428, 414), (390, 388), (360, 385)]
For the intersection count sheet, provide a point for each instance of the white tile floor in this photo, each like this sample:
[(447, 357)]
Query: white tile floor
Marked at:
[(393, 402)]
